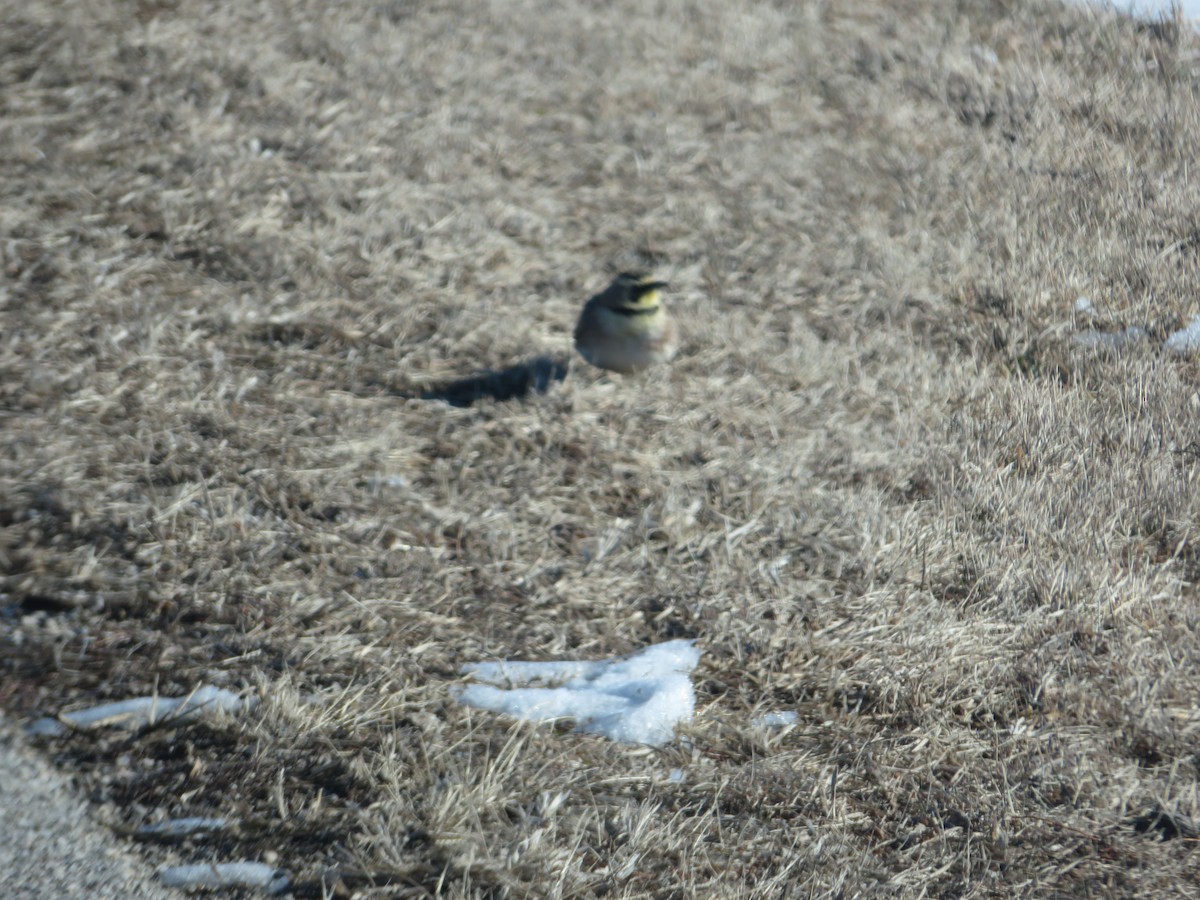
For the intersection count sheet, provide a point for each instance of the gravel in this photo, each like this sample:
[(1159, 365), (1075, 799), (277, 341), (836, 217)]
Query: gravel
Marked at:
[(50, 845)]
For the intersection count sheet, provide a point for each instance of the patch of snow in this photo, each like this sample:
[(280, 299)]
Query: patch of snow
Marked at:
[(224, 875), (984, 57), (1109, 340), (1085, 305), (179, 828), (637, 699), (1186, 340), (377, 482), (141, 711), (776, 719), (1153, 10)]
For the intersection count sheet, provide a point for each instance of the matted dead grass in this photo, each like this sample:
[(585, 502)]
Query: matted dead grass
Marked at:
[(880, 486)]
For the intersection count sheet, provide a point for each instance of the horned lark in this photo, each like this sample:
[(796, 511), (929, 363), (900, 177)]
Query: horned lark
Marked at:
[(625, 328)]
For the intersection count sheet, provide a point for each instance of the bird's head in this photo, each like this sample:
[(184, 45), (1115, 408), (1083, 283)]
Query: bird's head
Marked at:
[(635, 293)]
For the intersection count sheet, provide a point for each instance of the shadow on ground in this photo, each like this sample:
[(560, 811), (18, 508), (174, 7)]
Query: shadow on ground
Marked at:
[(532, 376)]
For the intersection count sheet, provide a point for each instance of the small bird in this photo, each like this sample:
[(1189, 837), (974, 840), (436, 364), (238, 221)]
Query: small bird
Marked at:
[(625, 327)]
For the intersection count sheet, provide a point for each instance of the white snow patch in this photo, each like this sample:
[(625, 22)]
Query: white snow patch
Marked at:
[(1186, 340), (638, 699), (378, 482), (776, 719), (1085, 305), (1151, 9), (984, 57), (220, 875), (180, 828), (1109, 340), (143, 711)]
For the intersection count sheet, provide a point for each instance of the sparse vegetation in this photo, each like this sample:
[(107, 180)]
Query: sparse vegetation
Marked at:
[(247, 245)]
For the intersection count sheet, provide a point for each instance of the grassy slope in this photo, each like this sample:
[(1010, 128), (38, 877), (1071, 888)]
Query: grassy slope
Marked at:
[(880, 485)]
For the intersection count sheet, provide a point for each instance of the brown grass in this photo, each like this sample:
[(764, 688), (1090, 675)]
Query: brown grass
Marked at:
[(880, 485)]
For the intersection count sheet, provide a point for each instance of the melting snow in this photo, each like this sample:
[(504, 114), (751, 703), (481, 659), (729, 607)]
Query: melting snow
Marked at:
[(776, 719), (1186, 339), (220, 875), (1109, 340), (142, 711), (181, 828), (1154, 10), (637, 699)]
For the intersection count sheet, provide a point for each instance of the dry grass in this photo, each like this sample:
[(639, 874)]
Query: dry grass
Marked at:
[(879, 485)]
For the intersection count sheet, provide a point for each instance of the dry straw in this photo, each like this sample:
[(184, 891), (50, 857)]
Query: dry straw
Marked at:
[(245, 246)]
